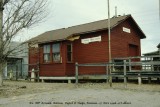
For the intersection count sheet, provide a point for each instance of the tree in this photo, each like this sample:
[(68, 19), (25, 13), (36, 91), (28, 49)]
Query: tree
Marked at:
[(16, 15)]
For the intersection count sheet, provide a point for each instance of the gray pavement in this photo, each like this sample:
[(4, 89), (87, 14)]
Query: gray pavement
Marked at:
[(81, 97)]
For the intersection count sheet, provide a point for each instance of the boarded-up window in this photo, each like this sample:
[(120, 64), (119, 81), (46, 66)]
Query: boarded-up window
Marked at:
[(56, 52), (46, 53)]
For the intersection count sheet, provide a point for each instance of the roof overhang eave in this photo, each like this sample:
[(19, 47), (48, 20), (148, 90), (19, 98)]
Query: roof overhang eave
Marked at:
[(58, 40)]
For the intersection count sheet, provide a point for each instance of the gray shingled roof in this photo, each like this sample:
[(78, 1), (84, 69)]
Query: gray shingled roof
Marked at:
[(64, 33), (152, 53)]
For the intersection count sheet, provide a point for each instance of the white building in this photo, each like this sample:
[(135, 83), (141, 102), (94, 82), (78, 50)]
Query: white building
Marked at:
[(17, 61)]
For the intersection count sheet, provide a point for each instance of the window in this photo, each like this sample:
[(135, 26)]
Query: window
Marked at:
[(46, 53), (52, 53), (69, 53), (56, 52)]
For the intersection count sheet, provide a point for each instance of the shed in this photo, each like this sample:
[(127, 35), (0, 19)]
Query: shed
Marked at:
[(17, 61)]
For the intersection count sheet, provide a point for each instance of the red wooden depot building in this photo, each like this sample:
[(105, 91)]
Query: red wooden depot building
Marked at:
[(58, 50)]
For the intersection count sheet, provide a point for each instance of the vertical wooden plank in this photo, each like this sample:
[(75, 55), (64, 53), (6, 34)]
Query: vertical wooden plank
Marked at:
[(125, 78), (107, 74), (130, 67), (76, 68), (33, 75), (110, 75), (139, 79), (16, 72), (145, 59), (69, 81), (38, 75), (38, 72), (152, 69), (42, 80)]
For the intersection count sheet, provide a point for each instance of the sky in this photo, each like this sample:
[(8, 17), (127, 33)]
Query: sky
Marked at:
[(66, 13)]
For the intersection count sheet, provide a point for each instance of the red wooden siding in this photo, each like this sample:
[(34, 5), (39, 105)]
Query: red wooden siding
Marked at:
[(92, 70), (70, 69), (133, 50), (33, 57), (56, 69), (120, 40), (92, 52)]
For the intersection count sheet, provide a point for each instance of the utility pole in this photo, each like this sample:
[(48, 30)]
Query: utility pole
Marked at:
[(109, 45), (109, 34)]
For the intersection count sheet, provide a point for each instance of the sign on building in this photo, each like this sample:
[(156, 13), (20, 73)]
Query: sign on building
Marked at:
[(126, 30), (89, 40)]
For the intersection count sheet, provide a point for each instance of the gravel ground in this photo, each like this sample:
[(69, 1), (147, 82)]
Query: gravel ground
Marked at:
[(29, 94)]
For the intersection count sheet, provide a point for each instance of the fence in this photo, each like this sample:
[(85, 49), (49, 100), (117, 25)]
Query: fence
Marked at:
[(139, 67)]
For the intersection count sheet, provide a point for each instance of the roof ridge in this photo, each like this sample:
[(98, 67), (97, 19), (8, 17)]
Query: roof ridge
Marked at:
[(97, 21)]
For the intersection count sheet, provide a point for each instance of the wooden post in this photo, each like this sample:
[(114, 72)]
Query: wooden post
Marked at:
[(42, 80), (152, 69), (107, 76), (125, 78), (38, 71), (139, 79), (33, 75), (76, 68), (38, 75), (69, 81), (110, 75), (130, 67), (145, 64), (16, 72)]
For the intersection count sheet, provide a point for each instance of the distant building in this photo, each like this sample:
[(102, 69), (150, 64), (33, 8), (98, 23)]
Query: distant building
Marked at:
[(17, 61), (156, 67), (154, 52), (58, 50)]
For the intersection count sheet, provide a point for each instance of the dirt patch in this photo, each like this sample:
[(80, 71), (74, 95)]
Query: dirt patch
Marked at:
[(16, 88)]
